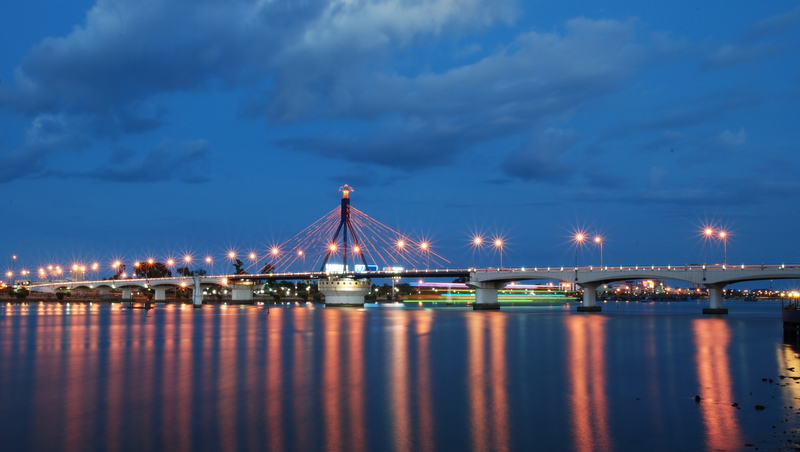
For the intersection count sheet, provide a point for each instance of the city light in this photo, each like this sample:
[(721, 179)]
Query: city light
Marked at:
[(723, 236), (599, 242)]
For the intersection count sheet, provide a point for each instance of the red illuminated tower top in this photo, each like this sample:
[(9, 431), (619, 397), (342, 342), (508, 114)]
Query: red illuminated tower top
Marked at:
[(346, 189)]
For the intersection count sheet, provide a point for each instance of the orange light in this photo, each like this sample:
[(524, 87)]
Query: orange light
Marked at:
[(252, 256), (116, 264), (477, 240), (332, 247), (401, 243), (187, 258), (708, 232), (231, 254), (424, 245), (170, 262), (208, 259), (151, 261), (136, 264), (579, 237), (498, 243), (300, 253), (275, 251), (357, 249), (598, 239)]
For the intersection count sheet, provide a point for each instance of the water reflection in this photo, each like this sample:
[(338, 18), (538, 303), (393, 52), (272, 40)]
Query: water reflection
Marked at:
[(487, 383), (587, 379), (98, 377), (712, 337)]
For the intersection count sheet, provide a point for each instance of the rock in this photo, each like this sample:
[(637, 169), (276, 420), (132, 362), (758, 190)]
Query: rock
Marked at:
[(697, 398), (735, 404), (760, 407)]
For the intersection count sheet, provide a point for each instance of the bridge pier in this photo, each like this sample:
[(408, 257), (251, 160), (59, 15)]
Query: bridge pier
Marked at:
[(242, 291), (197, 294), (715, 299), (127, 293), (161, 293), (589, 298), (486, 294)]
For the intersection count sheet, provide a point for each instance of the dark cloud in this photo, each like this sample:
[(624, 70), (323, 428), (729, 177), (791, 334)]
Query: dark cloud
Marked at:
[(187, 162), (759, 43), (540, 158)]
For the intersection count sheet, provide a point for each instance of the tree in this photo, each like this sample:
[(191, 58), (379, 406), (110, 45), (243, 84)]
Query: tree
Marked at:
[(184, 271), (238, 267), (154, 270), (267, 268)]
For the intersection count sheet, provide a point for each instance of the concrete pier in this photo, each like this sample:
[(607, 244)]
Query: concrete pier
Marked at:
[(589, 298), (344, 291)]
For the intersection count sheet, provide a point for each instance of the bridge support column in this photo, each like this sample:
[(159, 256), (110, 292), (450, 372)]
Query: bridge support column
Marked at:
[(589, 298), (197, 294), (715, 299), (242, 291), (105, 292), (127, 293), (344, 292), (486, 294), (161, 293)]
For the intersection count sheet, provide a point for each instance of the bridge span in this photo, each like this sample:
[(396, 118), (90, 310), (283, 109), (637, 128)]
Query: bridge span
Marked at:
[(486, 282)]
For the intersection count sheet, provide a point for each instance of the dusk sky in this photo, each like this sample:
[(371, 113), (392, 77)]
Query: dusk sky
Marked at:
[(158, 127)]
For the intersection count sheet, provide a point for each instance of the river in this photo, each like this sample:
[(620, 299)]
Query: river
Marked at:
[(77, 377)]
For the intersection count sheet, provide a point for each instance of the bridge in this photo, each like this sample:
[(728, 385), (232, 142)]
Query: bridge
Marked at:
[(486, 282)]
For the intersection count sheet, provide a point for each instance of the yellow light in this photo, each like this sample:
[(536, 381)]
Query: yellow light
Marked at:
[(708, 232), (332, 247), (579, 237), (208, 259), (401, 243), (424, 245), (300, 253), (357, 249), (598, 239), (477, 240), (275, 251), (95, 266), (187, 258), (151, 261), (136, 264), (116, 264), (231, 254), (170, 262), (252, 256)]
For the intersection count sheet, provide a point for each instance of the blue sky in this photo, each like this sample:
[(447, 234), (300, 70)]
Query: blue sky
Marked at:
[(156, 128)]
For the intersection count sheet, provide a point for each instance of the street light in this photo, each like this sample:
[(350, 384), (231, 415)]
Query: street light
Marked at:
[(210, 261), (599, 242), (253, 257), (708, 233), (476, 243), (498, 243), (426, 249), (578, 239), (723, 235)]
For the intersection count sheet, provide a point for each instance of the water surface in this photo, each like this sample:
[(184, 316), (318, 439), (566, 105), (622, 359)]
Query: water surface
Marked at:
[(81, 377)]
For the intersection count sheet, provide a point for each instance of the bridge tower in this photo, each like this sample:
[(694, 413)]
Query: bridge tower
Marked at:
[(344, 290)]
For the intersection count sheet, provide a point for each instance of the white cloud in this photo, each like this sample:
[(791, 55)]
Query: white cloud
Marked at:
[(733, 139)]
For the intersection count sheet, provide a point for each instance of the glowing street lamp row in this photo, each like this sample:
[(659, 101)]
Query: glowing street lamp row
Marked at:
[(580, 237), (709, 233)]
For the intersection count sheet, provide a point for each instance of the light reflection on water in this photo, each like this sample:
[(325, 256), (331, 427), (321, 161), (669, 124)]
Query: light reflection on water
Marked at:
[(80, 377)]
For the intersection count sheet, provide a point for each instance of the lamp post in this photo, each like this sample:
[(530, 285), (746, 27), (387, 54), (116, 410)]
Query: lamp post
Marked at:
[(599, 241), (578, 239), (498, 243), (476, 243), (426, 249), (708, 233), (723, 235), (210, 261), (254, 258)]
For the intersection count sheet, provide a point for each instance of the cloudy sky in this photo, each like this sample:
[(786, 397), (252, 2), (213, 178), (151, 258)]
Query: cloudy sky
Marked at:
[(156, 127)]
